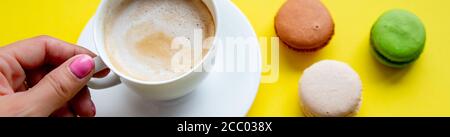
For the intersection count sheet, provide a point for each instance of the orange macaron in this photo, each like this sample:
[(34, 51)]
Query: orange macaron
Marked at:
[(304, 25)]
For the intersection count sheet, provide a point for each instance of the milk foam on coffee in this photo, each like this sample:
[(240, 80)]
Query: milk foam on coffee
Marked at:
[(139, 34)]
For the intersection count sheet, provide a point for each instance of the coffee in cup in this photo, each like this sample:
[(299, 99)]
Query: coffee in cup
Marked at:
[(139, 36)]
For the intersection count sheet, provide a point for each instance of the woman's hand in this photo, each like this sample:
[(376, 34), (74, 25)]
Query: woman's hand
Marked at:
[(44, 76)]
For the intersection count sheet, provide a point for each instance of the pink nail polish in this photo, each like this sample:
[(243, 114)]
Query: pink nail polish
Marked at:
[(82, 66)]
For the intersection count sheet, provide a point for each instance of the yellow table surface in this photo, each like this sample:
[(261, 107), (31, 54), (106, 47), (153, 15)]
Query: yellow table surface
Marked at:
[(419, 90)]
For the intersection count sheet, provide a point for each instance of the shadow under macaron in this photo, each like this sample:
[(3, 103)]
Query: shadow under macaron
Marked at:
[(388, 75)]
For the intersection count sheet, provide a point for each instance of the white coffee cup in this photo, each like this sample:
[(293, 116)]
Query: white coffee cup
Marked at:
[(161, 90)]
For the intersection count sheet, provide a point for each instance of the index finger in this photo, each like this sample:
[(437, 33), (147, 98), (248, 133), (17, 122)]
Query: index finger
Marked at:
[(35, 52)]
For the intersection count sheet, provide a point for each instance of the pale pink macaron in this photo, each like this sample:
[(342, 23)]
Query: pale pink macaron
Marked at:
[(330, 89)]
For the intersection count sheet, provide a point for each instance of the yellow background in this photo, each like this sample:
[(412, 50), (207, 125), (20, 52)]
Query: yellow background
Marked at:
[(419, 90)]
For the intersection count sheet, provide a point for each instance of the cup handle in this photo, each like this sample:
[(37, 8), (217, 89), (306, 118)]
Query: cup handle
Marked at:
[(101, 83)]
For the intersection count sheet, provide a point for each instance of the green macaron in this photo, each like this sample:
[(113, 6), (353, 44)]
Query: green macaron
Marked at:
[(398, 38)]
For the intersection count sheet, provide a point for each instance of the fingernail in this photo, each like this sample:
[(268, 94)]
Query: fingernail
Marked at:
[(82, 66)]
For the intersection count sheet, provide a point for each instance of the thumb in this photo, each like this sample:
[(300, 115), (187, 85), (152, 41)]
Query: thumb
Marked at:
[(62, 84)]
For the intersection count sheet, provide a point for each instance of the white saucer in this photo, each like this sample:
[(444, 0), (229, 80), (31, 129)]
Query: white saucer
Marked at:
[(222, 94)]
